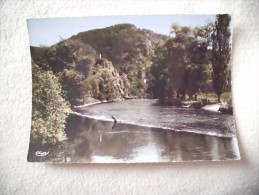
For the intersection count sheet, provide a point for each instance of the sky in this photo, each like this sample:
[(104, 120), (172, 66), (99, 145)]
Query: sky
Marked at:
[(48, 31)]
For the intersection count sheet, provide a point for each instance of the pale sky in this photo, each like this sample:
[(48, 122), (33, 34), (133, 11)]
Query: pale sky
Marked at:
[(47, 31)]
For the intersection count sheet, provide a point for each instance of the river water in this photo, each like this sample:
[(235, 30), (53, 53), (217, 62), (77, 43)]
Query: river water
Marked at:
[(144, 132)]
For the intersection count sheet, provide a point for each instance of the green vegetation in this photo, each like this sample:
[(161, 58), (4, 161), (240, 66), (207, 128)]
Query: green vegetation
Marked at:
[(221, 54), (123, 62), (101, 86), (49, 109), (187, 66), (71, 61), (123, 44), (76, 61), (128, 48), (72, 86), (181, 65)]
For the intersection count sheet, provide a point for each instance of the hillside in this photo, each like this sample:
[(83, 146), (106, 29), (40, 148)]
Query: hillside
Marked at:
[(104, 64), (124, 44)]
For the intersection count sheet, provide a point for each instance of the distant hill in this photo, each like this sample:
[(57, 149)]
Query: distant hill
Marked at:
[(123, 44), (128, 49)]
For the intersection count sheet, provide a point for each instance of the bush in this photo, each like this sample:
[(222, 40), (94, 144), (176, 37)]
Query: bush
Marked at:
[(101, 86), (72, 85), (49, 109)]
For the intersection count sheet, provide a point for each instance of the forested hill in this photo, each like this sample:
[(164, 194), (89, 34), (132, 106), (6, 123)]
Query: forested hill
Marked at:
[(102, 64), (124, 44)]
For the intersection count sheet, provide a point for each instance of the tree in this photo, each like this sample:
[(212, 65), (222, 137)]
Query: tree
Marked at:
[(159, 73), (181, 64), (188, 59), (84, 66), (49, 109), (73, 88), (221, 53), (101, 85)]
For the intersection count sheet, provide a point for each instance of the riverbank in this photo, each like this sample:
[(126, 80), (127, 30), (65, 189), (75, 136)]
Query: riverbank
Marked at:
[(219, 107), (95, 101), (222, 107), (210, 102), (212, 107)]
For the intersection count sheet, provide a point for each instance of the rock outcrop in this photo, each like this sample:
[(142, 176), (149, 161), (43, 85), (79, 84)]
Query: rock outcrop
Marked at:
[(108, 81)]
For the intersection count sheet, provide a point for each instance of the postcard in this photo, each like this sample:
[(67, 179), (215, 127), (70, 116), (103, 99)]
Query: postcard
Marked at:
[(132, 89)]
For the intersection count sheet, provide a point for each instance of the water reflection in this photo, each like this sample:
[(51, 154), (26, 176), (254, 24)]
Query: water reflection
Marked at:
[(181, 146), (92, 141)]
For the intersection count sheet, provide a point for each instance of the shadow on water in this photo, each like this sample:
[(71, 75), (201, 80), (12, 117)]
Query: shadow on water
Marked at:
[(90, 140)]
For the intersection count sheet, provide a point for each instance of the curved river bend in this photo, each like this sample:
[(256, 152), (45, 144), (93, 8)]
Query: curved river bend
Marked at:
[(144, 132)]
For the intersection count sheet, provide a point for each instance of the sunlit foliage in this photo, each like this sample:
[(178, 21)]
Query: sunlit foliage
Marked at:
[(49, 109)]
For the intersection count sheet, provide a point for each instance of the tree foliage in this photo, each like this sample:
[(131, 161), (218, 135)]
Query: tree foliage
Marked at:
[(180, 66), (221, 53), (71, 62), (101, 86), (73, 88), (49, 109), (159, 73)]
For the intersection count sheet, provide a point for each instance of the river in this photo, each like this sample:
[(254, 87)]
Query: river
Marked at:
[(144, 132)]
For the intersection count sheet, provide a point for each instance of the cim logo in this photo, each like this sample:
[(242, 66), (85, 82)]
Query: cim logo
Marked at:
[(40, 153)]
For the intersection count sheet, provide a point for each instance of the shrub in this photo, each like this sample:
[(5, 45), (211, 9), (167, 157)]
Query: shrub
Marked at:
[(49, 109)]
